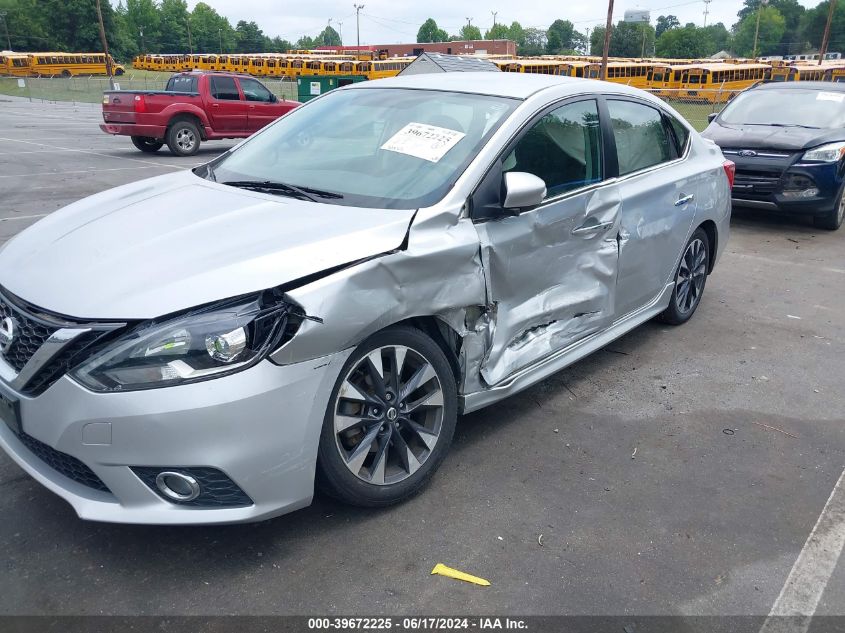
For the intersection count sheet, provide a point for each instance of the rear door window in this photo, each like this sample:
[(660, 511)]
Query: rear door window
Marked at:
[(642, 140), (182, 83), (224, 88)]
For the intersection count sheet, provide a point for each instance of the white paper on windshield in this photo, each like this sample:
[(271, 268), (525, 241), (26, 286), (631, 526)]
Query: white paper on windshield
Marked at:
[(428, 142), (830, 96)]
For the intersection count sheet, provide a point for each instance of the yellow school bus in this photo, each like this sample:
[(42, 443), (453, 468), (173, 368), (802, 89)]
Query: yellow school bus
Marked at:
[(636, 74), (381, 68), (14, 64), (533, 66), (71, 64), (716, 82)]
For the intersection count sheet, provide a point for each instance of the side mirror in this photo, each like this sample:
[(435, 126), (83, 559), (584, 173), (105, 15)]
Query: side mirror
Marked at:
[(273, 98), (712, 117), (523, 190)]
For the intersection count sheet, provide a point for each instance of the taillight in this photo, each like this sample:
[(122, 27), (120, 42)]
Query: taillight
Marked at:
[(730, 172), (140, 104)]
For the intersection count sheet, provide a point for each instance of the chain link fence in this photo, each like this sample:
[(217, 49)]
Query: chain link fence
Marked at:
[(90, 89), (696, 105)]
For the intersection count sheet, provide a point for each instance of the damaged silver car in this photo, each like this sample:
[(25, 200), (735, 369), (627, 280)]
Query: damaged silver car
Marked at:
[(322, 301)]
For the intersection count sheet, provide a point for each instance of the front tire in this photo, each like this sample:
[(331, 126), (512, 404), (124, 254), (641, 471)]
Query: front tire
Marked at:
[(832, 220), (146, 144), (690, 279), (183, 138), (389, 421)]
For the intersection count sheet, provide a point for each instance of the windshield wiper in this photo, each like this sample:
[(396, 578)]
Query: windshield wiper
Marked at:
[(809, 127), (269, 186)]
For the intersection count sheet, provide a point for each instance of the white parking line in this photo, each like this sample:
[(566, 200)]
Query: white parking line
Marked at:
[(25, 217), (781, 262), (83, 151), (81, 171), (812, 570)]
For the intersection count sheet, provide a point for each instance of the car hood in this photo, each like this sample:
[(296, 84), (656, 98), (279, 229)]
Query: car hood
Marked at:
[(178, 241), (768, 136)]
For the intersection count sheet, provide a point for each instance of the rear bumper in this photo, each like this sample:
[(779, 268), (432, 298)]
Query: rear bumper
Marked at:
[(133, 129)]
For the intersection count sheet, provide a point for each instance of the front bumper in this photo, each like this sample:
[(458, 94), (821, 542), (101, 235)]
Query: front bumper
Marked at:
[(260, 427), (769, 182)]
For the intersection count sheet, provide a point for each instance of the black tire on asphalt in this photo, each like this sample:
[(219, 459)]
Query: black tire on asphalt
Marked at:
[(675, 314), (333, 476), (175, 138), (146, 144), (832, 220)]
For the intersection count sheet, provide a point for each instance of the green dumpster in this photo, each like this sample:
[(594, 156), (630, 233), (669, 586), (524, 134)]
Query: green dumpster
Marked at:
[(310, 86)]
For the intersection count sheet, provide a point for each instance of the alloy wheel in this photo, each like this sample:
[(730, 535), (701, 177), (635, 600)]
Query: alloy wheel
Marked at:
[(185, 139), (388, 414), (692, 273)]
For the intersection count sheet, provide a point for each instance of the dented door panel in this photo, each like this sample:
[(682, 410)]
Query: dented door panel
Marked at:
[(653, 229), (551, 286)]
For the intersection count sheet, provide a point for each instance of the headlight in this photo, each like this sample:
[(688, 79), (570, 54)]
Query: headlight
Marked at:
[(204, 343), (829, 153)]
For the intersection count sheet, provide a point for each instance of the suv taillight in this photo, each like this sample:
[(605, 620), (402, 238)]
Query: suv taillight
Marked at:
[(730, 172), (140, 104)]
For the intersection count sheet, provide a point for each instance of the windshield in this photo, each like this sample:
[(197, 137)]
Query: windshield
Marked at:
[(379, 148), (793, 107)]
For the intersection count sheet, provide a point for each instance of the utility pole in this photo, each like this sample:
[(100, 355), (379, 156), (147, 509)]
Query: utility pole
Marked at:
[(358, 8), (141, 31), (6, 26), (606, 49), (763, 3), (105, 45), (190, 41), (706, 10), (220, 35), (589, 44), (340, 32), (645, 32), (826, 37), (495, 13)]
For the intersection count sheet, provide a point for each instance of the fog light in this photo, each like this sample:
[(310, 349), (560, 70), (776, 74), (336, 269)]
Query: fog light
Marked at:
[(226, 347), (177, 486), (812, 192)]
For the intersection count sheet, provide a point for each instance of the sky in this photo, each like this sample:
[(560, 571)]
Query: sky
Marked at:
[(390, 22)]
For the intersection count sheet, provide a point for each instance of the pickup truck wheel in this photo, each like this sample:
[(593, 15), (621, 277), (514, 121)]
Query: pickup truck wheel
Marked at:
[(146, 144), (183, 138)]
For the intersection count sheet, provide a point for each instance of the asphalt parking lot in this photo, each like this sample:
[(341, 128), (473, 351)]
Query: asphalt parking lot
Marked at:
[(679, 471)]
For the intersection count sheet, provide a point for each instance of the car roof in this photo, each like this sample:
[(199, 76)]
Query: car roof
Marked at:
[(502, 84), (827, 86)]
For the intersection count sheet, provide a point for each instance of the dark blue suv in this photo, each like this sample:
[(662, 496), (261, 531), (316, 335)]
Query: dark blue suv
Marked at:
[(788, 143)]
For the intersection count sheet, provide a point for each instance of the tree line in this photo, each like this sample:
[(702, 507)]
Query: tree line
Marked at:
[(135, 26), (786, 27), (167, 26)]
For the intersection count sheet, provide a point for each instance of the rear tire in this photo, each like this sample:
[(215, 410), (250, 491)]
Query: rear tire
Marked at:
[(146, 144), (832, 220), (389, 421), (690, 279), (183, 137)]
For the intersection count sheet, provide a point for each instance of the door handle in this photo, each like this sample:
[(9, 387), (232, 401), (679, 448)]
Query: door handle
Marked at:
[(215, 105), (592, 228), (683, 200)]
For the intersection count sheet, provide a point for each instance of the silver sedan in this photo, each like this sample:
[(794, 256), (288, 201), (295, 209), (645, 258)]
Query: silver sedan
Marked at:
[(321, 302)]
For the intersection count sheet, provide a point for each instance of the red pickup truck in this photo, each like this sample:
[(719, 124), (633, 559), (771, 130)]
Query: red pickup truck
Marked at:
[(194, 107)]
